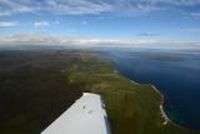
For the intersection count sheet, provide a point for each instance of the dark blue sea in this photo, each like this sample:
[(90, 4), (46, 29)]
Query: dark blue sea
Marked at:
[(176, 73)]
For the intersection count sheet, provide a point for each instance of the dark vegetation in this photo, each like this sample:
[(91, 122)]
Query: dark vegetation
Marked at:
[(33, 90)]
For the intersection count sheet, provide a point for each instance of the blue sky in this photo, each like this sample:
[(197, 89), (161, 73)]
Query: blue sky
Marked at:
[(168, 20)]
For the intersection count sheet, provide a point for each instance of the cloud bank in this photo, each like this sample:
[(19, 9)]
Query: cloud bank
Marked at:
[(7, 24), (94, 7), (41, 23), (34, 39)]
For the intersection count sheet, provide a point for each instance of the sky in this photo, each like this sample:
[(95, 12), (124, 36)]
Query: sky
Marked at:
[(101, 21)]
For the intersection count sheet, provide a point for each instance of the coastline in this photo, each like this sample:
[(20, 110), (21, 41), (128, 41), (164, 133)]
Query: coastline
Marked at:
[(167, 120), (164, 115)]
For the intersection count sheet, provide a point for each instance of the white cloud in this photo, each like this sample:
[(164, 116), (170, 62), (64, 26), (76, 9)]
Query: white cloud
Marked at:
[(41, 24), (58, 7), (34, 39), (17, 6), (94, 7), (77, 7), (7, 24)]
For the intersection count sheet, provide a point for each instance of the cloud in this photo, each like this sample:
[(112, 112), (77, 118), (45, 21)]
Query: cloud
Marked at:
[(78, 7), (57, 7), (93, 7), (41, 24), (7, 24), (35, 39), (8, 7)]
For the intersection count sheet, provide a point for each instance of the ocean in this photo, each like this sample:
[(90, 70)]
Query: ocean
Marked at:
[(176, 73)]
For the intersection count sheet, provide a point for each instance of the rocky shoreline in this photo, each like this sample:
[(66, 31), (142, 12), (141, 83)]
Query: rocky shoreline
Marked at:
[(164, 115), (161, 106)]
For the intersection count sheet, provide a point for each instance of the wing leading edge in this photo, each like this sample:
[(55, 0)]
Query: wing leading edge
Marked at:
[(86, 116)]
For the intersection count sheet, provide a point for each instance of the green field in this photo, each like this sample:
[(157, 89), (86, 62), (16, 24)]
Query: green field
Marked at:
[(36, 87)]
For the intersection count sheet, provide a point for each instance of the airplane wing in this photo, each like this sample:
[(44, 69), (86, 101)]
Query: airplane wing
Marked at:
[(86, 116)]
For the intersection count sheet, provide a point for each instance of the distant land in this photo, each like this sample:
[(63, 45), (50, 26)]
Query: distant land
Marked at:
[(36, 87), (166, 58)]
